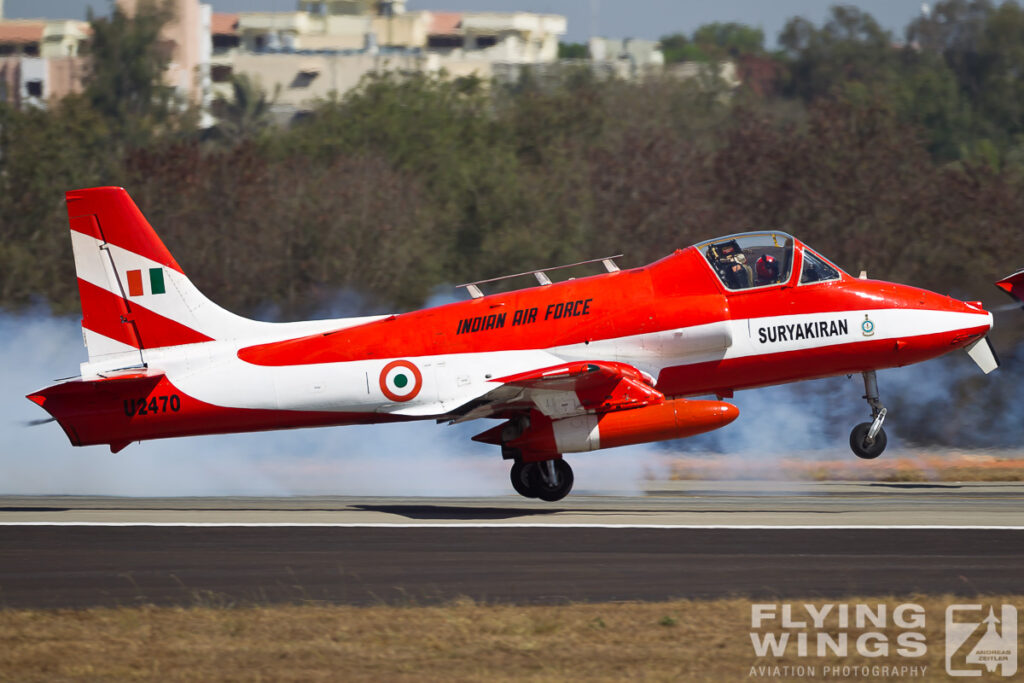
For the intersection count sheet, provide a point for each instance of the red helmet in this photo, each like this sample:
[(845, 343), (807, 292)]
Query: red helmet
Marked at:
[(767, 268)]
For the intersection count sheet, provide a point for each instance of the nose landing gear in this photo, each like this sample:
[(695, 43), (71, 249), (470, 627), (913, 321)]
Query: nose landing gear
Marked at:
[(549, 480), (868, 439)]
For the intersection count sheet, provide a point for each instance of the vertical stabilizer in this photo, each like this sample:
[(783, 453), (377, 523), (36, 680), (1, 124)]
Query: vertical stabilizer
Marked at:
[(134, 294)]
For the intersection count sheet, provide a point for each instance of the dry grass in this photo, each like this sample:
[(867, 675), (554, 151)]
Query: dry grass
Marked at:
[(681, 640), (908, 466)]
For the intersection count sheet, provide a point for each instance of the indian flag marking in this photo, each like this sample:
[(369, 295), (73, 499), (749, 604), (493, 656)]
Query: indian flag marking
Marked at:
[(400, 380), (134, 282), (156, 282)]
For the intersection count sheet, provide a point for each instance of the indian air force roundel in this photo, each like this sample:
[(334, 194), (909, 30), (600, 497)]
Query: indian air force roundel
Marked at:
[(400, 380)]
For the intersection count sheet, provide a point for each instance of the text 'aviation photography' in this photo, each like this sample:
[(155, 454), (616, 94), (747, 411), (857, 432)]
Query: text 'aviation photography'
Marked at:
[(511, 340)]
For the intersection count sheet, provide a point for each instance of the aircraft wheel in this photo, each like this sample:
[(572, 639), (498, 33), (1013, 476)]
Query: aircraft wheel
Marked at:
[(864, 450), (549, 489), (520, 476)]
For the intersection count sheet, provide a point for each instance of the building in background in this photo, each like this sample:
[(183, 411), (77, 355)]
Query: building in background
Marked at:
[(325, 48), (40, 59), (328, 46), (628, 58), (187, 39)]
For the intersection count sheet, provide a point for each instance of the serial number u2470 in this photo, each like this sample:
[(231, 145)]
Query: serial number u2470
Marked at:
[(152, 405)]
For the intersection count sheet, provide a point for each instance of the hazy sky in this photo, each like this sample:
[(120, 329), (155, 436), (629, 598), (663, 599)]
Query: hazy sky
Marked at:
[(612, 18)]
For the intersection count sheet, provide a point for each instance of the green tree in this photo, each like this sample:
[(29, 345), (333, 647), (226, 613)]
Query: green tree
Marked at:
[(43, 153), (247, 114), (983, 47), (713, 42), (851, 57), (955, 30), (676, 48), (1001, 99), (850, 46), (129, 59), (437, 130), (723, 40), (573, 51)]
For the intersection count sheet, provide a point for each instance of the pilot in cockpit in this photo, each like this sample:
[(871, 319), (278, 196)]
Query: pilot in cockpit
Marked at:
[(731, 263), (767, 269)]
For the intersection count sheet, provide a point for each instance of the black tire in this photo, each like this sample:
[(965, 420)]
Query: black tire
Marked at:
[(520, 476), (544, 489), (863, 450)]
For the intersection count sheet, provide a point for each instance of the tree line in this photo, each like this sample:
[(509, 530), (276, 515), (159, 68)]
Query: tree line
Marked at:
[(901, 157)]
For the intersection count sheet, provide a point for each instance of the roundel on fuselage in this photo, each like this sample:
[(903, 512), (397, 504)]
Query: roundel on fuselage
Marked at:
[(400, 380)]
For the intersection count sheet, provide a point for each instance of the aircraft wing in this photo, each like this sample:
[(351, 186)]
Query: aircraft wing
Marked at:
[(563, 390)]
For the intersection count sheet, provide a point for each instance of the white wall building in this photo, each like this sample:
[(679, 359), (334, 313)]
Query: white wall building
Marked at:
[(328, 46)]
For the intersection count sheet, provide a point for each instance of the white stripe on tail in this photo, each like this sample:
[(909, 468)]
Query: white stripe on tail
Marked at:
[(134, 294)]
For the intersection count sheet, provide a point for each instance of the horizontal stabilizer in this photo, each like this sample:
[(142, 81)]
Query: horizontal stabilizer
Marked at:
[(982, 353), (80, 406)]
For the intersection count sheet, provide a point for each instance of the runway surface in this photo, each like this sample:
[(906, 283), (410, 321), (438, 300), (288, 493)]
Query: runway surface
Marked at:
[(82, 566), (665, 503), (696, 539)]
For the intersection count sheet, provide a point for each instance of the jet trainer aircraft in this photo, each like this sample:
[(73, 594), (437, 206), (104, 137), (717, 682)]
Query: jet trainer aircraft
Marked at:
[(596, 362)]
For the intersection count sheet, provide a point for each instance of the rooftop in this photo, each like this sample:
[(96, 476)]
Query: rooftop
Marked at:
[(21, 31), (445, 23), (223, 24)]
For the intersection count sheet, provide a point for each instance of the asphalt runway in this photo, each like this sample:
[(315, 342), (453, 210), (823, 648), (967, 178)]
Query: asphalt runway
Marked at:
[(696, 539), (730, 503), (44, 567)]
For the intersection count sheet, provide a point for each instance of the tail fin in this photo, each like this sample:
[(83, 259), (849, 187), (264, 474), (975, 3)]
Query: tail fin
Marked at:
[(1013, 285), (134, 294)]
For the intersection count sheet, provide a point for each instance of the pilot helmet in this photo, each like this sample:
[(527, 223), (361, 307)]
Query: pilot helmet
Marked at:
[(767, 267)]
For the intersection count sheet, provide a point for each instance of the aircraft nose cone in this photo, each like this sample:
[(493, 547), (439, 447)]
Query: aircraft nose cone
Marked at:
[(979, 316), (979, 308), (946, 305), (941, 324)]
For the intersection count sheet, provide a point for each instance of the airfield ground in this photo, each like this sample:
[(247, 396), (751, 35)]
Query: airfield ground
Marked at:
[(662, 641), (908, 465), (653, 587)]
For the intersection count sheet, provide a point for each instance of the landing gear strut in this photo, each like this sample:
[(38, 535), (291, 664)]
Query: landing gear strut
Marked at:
[(868, 439), (549, 480)]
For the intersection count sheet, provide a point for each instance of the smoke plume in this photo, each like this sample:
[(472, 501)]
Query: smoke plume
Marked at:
[(419, 458), (945, 402)]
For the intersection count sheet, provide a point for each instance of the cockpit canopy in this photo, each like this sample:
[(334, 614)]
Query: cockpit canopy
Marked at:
[(755, 259), (762, 259)]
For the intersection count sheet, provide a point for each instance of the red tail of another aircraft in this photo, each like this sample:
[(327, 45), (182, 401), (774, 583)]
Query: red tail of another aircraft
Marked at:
[(1014, 286)]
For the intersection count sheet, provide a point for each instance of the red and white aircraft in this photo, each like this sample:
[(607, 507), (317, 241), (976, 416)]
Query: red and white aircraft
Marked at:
[(573, 366)]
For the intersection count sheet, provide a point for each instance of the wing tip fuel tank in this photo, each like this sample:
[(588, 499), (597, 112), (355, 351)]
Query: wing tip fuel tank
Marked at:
[(672, 419)]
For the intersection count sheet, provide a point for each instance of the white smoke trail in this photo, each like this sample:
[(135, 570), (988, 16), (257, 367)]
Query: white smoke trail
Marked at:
[(397, 459), (946, 402), (942, 402)]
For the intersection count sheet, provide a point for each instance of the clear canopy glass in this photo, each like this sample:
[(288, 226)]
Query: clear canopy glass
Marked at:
[(748, 260), (816, 269)]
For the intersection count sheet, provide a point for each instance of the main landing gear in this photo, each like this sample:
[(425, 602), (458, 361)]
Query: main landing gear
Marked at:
[(549, 480), (868, 438)]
